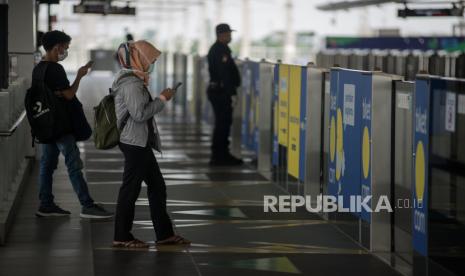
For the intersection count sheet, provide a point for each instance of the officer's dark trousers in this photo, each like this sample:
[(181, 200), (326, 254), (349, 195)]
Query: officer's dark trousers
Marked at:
[(140, 165), (222, 108)]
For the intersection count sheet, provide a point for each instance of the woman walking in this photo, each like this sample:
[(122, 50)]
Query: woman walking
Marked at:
[(135, 110)]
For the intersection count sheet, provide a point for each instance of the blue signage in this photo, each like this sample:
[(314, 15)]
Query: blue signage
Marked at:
[(420, 165), (350, 136), (275, 101), (424, 43)]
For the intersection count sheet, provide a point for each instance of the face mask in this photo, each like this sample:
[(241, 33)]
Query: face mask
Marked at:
[(61, 57), (151, 67)]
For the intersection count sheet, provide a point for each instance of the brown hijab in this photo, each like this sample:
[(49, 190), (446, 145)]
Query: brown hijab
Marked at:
[(137, 56)]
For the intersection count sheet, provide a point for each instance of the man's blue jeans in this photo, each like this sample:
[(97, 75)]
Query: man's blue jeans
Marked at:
[(48, 163)]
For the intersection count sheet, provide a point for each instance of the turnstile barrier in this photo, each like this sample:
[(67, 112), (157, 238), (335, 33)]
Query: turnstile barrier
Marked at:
[(264, 119), (314, 130), (360, 149), (401, 157), (438, 176)]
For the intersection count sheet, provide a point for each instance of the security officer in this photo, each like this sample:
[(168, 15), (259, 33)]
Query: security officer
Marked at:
[(224, 80)]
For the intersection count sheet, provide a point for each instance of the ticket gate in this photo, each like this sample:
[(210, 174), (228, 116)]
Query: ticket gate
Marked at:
[(438, 176), (104, 60), (411, 66), (288, 146), (207, 110), (296, 103), (423, 63), (357, 61), (389, 64), (449, 67), (325, 59), (460, 66), (375, 61), (400, 60), (326, 130), (161, 73), (437, 65), (341, 60), (180, 75), (265, 118), (360, 152), (197, 89), (315, 130), (281, 122), (236, 128), (401, 157)]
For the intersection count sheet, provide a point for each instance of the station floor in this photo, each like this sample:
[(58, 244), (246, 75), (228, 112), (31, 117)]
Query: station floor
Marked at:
[(218, 208)]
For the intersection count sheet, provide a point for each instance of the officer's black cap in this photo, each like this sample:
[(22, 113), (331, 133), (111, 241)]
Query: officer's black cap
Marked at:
[(223, 28)]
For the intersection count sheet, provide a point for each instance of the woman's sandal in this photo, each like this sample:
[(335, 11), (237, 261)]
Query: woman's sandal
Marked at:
[(131, 244), (174, 240)]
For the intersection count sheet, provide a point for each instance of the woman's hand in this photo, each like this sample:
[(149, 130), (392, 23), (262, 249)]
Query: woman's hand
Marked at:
[(167, 94)]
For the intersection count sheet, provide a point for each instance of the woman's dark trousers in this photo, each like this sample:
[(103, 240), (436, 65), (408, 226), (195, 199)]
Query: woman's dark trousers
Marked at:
[(140, 165)]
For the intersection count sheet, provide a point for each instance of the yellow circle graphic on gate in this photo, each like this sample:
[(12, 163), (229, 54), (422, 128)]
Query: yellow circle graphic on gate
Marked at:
[(420, 172), (332, 139), (339, 144), (366, 152)]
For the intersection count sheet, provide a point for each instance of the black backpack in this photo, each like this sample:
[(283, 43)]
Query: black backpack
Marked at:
[(47, 114)]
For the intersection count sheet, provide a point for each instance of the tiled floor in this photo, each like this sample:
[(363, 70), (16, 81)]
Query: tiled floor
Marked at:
[(219, 209)]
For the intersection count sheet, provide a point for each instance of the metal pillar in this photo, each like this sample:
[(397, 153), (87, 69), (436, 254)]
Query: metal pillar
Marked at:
[(219, 11), (4, 64), (266, 118), (204, 28), (23, 46), (314, 138), (49, 17), (186, 41), (289, 47), (245, 42), (401, 160)]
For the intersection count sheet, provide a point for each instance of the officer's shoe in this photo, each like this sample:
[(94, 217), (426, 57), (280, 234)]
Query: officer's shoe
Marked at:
[(224, 162), (234, 161), (217, 162)]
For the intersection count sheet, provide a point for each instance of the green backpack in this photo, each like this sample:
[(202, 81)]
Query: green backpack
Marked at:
[(106, 132)]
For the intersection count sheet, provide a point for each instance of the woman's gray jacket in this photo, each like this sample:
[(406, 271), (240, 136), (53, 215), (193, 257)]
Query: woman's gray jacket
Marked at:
[(131, 95)]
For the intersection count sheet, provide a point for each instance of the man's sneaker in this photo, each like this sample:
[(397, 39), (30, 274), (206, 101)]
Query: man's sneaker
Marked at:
[(95, 212), (52, 211)]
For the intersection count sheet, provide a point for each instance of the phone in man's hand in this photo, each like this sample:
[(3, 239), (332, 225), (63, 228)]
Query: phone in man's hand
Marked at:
[(177, 86), (89, 64)]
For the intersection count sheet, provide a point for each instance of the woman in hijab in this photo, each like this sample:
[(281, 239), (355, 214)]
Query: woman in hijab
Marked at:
[(135, 110)]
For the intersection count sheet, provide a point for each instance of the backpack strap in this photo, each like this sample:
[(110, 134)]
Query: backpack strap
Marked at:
[(124, 122), (126, 117), (42, 71)]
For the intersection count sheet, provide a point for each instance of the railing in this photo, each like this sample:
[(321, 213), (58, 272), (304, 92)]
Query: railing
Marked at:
[(16, 152)]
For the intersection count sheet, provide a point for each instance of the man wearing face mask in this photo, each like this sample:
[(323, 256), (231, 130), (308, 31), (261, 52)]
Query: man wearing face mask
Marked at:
[(56, 45)]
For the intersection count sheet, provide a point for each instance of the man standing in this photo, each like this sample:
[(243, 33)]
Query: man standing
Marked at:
[(56, 45), (224, 80)]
